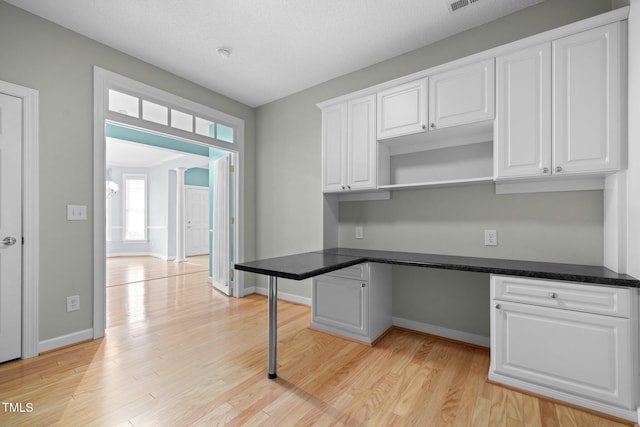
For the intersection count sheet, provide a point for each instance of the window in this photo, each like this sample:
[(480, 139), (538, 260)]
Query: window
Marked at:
[(135, 207), (166, 115)]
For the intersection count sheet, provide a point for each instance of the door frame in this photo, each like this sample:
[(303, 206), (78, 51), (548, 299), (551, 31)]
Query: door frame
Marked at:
[(30, 215), (103, 80)]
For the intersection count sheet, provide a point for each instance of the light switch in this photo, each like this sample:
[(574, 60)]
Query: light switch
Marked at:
[(76, 212)]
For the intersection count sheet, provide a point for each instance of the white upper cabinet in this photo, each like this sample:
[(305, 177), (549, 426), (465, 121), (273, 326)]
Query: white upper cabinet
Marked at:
[(522, 129), (334, 146), (462, 95), (559, 108), (402, 110), (349, 146), (586, 101)]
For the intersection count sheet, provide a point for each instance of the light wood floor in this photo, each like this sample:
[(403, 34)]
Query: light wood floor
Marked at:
[(130, 269), (177, 353)]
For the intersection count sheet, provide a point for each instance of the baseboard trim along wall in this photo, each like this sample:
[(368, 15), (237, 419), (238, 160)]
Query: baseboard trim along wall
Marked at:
[(442, 332), (281, 295), (426, 328), (65, 340)]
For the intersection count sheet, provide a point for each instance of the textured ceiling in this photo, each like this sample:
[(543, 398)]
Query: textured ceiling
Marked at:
[(279, 47)]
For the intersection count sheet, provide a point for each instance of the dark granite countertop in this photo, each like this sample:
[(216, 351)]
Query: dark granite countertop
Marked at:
[(310, 264)]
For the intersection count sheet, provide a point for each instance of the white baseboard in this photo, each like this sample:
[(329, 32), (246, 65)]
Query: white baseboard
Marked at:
[(281, 295), (130, 254), (65, 340), (442, 332)]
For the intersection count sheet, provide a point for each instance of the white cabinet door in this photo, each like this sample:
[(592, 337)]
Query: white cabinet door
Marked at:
[(462, 95), (522, 128), (583, 354), (341, 304), (334, 142), (361, 144), (402, 110), (586, 101), (349, 151)]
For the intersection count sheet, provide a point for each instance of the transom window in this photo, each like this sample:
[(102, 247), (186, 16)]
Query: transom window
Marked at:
[(166, 115)]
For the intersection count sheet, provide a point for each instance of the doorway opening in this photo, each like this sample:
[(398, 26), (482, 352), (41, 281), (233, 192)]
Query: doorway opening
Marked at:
[(150, 178), (123, 105)]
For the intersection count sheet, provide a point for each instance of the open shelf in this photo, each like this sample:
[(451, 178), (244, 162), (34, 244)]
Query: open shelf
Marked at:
[(455, 165)]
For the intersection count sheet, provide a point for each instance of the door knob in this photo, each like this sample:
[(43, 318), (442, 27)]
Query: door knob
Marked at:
[(9, 241)]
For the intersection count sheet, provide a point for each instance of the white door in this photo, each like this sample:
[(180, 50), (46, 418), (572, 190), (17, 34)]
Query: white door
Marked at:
[(10, 227), (523, 119), (221, 221), (197, 221)]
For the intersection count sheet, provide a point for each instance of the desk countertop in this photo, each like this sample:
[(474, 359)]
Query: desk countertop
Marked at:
[(310, 264)]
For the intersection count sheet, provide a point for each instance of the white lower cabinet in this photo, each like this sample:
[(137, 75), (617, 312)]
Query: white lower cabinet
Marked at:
[(354, 302), (569, 341)]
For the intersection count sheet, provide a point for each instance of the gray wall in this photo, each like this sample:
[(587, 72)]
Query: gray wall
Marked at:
[(59, 64), (564, 227)]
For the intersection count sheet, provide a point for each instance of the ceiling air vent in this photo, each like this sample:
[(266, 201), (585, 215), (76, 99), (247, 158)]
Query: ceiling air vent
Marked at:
[(459, 4)]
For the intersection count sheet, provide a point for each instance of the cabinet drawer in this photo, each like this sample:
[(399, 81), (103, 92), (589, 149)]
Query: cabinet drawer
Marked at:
[(359, 272), (608, 300)]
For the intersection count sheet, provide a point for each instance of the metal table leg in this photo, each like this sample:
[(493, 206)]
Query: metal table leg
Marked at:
[(273, 325)]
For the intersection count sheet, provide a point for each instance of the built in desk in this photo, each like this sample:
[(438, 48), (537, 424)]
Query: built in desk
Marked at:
[(310, 264)]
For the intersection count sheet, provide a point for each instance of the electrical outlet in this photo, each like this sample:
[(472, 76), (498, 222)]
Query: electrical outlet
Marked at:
[(490, 238), (73, 303), (359, 233)]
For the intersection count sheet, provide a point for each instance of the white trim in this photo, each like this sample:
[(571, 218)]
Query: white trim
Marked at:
[(132, 254), (102, 81), (65, 340), (281, 295), (30, 217), (543, 185), (442, 332)]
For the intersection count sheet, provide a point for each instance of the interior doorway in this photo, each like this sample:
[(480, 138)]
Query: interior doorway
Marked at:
[(123, 101), (150, 179)]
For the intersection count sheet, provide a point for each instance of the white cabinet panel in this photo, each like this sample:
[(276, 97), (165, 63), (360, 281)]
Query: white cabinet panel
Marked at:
[(586, 101), (522, 129), (334, 140), (349, 149), (402, 110), (341, 303), (354, 302), (566, 340), (361, 145), (607, 300), (462, 95), (584, 354)]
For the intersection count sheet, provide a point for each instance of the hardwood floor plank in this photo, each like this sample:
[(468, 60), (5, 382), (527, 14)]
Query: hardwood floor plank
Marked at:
[(177, 352)]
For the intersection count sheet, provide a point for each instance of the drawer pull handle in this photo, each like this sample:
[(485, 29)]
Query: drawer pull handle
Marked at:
[(498, 306), (553, 295), (364, 284)]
